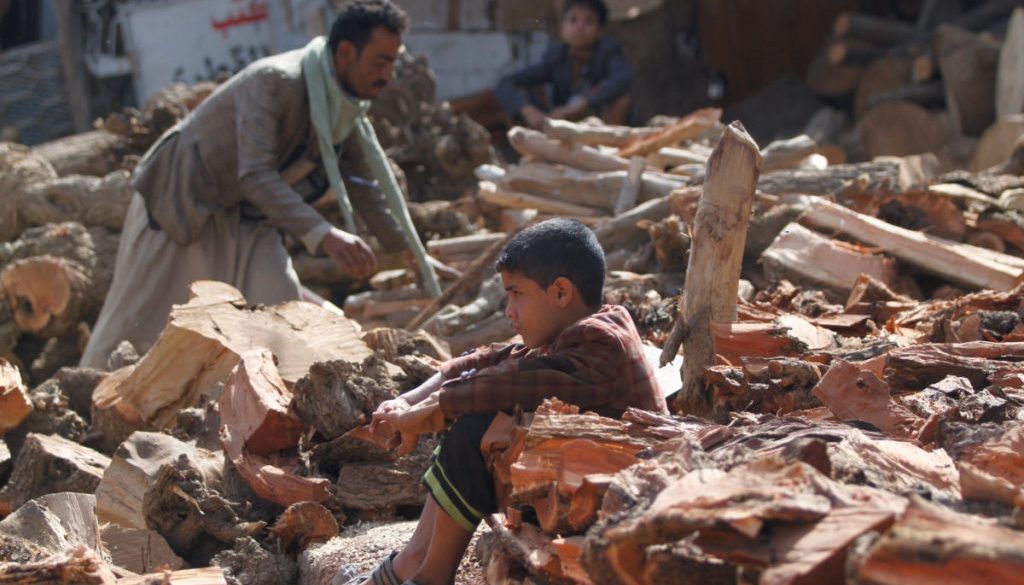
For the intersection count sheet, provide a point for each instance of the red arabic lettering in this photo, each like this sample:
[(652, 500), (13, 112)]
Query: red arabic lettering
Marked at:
[(256, 12)]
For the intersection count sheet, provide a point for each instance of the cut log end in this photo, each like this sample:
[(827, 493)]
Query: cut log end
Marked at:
[(39, 290)]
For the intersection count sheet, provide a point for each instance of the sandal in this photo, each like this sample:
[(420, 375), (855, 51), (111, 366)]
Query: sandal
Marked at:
[(383, 574)]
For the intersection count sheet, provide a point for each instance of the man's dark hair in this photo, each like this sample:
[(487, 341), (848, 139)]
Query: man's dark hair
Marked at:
[(554, 248), (357, 20), (598, 6)]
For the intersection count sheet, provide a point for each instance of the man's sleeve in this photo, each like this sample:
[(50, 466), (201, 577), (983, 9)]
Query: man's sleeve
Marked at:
[(511, 91), (258, 114), (617, 81), (582, 376), (478, 359)]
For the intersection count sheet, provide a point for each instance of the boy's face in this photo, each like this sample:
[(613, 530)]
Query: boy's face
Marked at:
[(580, 27), (536, 314)]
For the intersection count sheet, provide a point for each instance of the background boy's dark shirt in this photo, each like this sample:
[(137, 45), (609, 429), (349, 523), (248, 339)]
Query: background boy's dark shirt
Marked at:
[(596, 363), (608, 77)]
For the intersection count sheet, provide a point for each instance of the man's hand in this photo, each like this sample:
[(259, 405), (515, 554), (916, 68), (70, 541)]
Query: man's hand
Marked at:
[(419, 419), (350, 253), (533, 116)]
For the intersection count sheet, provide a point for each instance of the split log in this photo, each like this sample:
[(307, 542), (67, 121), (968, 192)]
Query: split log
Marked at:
[(256, 423), (14, 402), (621, 231), (19, 168), (155, 481), (997, 143), (337, 396), (96, 153), (790, 335), (855, 394), (205, 337), (594, 134), (139, 550), (1010, 76), (55, 523), (77, 566), (453, 319), (51, 464), (715, 257), (899, 128), (805, 256), (304, 524), (591, 189), (255, 405), (787, 154), (689, 127), (994, 469), (930, 544), (876, 30), (121, 496), (882, 176), (961, 263), (532, 143), (501, 197), (90, 201), (968, 64)]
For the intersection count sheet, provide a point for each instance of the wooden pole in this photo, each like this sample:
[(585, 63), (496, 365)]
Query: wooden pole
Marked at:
[(716, 257), (69, 27)]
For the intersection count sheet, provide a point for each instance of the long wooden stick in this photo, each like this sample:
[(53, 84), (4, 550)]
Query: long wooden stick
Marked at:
[(716, 257), (470, 278)]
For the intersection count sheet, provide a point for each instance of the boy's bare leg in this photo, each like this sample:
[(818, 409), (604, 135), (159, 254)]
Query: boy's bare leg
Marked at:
[(447, 545), (412, 554)]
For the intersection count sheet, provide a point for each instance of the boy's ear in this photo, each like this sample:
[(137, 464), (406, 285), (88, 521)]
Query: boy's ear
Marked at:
[(564, 291)]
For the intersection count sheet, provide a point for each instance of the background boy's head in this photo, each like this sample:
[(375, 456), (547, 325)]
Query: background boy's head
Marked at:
[(554, 274), (365, 41), (583, 22)]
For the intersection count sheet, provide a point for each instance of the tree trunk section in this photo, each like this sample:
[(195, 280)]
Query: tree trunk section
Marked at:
[(49, 464)]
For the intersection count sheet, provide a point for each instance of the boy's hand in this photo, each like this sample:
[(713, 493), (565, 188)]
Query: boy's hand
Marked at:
[(419, 419), (533, 116)]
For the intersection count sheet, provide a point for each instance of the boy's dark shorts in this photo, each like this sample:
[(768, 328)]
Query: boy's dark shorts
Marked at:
[(458, 478)]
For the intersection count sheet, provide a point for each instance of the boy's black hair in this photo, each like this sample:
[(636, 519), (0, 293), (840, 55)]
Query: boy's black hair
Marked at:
[(554, 248), (598, 6), (358, 19)]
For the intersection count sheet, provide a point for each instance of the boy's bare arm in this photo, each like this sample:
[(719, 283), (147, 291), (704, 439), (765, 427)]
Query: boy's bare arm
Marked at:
[(422, 418)]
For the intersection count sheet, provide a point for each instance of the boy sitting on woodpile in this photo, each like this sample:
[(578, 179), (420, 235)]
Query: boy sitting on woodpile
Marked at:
[(585, 73), (573, 349)]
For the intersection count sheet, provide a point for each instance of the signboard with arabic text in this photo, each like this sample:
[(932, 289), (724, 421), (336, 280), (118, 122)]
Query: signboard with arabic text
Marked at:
[(194, 40)]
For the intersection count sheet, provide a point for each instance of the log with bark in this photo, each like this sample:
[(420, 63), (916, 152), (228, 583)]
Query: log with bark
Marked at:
[(14, 402), (50, 464), (90, 201), (882, 176), (19, 168), (339, 395), (930, 544), (157, 482), (202, 344), (593, 133), (715, 257), (95, 154), (379, 489)]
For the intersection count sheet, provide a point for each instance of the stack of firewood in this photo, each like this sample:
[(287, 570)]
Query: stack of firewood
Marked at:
[(949, 84)]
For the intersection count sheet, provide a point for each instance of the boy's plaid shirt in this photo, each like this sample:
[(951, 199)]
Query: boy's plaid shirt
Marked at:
[(596, 364)]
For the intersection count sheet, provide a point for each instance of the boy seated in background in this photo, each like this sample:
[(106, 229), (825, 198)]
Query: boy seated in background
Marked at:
[(587, 73), (573, 349)]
